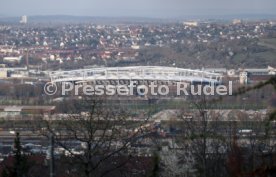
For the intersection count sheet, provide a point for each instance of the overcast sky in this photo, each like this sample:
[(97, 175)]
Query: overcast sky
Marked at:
[(138, 8)]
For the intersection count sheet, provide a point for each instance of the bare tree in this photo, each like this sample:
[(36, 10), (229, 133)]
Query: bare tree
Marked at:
[(104, 132), (203, 136)]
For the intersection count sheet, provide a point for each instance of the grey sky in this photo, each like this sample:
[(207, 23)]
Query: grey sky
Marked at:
[(139, 8)]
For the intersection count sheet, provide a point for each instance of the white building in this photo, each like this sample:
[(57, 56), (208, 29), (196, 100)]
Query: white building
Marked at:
[(12, 59), (236, 21), (243, 77), (190, 23), (24, 19)]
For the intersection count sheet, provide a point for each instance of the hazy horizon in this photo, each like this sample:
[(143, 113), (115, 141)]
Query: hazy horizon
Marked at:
[(142, 8)]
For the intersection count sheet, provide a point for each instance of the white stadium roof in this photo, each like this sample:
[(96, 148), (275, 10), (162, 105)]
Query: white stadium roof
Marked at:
[(139, 73)]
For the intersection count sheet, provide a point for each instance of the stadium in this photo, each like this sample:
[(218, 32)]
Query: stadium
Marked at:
[(142, 74)]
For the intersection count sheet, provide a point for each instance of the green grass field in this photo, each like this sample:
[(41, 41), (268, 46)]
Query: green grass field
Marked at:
[(270, 43)]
